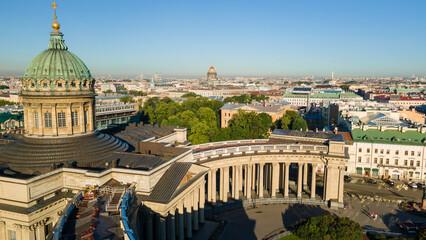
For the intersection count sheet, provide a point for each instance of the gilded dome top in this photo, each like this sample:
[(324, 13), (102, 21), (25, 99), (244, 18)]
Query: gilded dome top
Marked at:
[(212, 69)]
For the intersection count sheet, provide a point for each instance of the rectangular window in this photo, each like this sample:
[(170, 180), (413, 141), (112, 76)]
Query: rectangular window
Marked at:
[(375, 150), (387, 151), (359, 159), (405, 162), (381, 151), (396, 161), (381, 160), (74, 116), (48, 120), (412, 163), (375, 160), (419, 154), (35, 119), (368, 150), (397, 152), (62, 120), (387, 161), (412, 153), (418, 163), (360, 150), (85, 117), (406, 153)]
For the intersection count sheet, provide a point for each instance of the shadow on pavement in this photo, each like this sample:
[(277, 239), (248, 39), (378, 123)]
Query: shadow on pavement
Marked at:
[(297, 212)]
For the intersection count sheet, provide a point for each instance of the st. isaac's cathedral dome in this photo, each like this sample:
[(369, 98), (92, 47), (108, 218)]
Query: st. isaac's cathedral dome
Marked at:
[(59, 115)]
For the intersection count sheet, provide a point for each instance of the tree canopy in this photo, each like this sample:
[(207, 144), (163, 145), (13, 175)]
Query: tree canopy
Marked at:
[(201, 117), (245, 98), (190, 94), (127, 99), (292, 121), (328, 227)]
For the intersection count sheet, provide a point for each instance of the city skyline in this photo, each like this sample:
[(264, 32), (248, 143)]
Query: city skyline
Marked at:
[(251, 39)]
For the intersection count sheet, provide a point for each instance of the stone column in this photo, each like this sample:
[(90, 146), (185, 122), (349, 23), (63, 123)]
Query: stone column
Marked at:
[(27, 127), (287, 179), (226, 184), (171, 232), (305, 175), (341, 184), (275, 178), (162, 228), (69, 119), (27, 234), (30, 119), (248, 180), (40, 121), (202, 202), (253, 182), (221, 190), (81, 118), (3, 230), (91, 119), (324, 190), (149, 227), (214, 186), (54, 121), (18, 229), (240, 178), (237, 182), (195, 200), (299, 180), (233, 185), (209, 186), (180, 228), (313, 180), (188, 208), (261, 165), (40, 231)]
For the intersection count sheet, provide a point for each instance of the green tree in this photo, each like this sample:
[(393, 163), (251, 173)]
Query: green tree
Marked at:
[(127, 99), (4, 102), (190, 95), (345, 87), (3, 87), (291, 120), (249, 125), (136, 93), (108, 91), (200, 133), (328, 227)]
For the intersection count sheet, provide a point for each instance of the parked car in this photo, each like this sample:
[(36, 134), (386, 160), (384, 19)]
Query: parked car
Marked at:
[(407, 227), (370, 180), (412, 185), (390, 182), (347, 178)]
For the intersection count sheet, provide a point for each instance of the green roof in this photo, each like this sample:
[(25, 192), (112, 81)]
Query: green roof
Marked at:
[(389, 137)]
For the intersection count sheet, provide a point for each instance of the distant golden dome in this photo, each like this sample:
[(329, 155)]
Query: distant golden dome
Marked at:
[(212, 69)]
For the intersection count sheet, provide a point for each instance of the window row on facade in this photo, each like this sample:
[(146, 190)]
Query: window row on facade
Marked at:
[(396, 152), (387, 161), (62, 119)]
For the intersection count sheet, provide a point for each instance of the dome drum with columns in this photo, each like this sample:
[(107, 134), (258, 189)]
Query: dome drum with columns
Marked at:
[(59, 110)]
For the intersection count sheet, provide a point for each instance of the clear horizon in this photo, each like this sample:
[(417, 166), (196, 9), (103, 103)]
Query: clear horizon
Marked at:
[(241, 38)]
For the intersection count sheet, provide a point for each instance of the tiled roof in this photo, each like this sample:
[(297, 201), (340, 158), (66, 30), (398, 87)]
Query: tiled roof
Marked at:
[(389, 137)]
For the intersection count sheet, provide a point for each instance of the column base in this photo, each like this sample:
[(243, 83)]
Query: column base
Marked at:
[(299, 197), (286, 197)]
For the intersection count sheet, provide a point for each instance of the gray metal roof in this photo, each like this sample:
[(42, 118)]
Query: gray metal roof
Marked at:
[(169, 182)]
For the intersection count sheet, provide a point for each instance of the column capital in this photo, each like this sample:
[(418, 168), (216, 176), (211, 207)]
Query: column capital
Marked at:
[(17, 227), (2, 223)]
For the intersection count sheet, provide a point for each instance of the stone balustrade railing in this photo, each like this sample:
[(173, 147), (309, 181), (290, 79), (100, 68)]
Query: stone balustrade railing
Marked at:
[(231, 142), (257, 149)]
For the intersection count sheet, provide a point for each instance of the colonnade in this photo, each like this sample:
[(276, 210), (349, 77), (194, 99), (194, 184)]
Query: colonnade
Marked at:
[(180, 221), (248, 180), (17, 231)]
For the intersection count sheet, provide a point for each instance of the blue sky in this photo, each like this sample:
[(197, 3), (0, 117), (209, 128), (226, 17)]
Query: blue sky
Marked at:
[(241, 38)]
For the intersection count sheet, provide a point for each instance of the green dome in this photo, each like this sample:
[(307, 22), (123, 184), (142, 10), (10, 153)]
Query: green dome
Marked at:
[(56, 64)]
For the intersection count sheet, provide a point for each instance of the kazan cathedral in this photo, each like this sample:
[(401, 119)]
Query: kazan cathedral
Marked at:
[(63, 179)]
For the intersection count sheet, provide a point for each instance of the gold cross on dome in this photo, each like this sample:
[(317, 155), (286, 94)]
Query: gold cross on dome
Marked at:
[(54, 5)]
